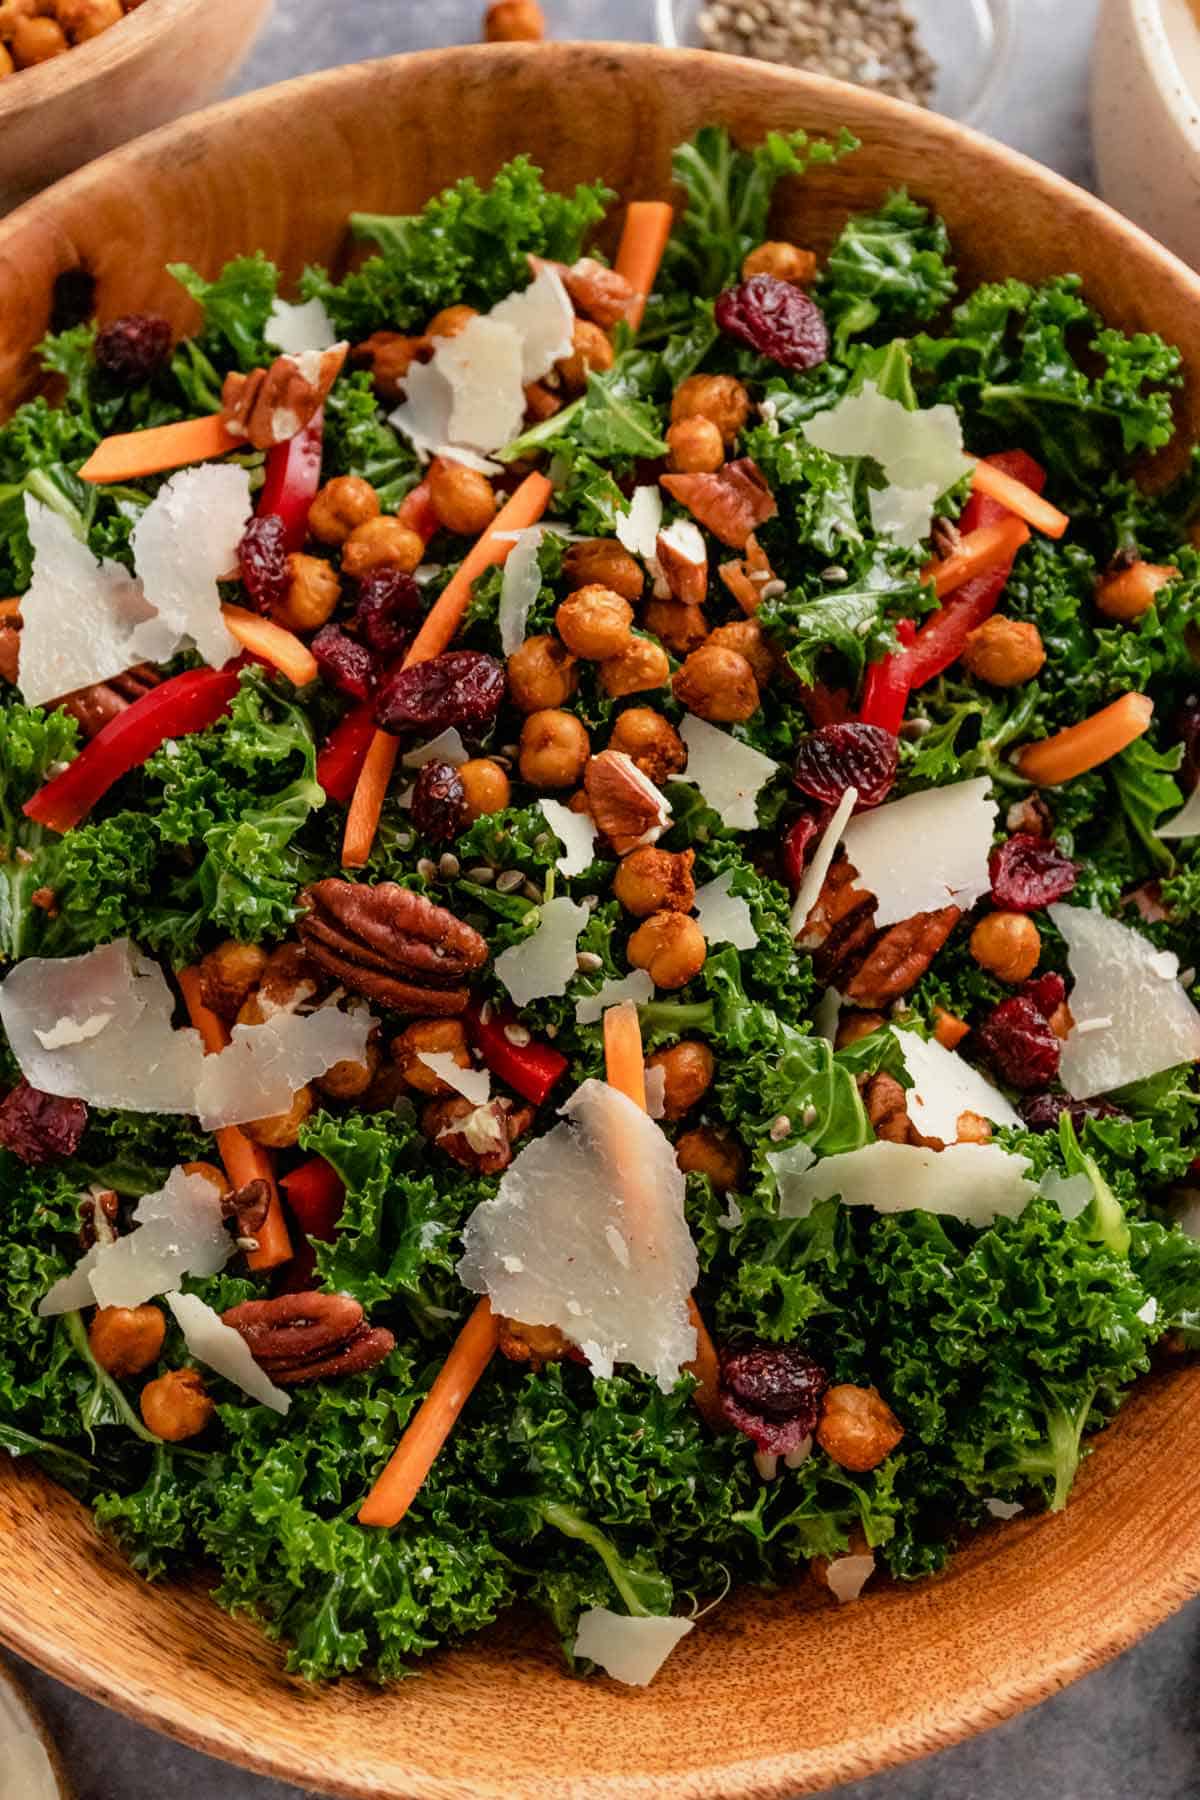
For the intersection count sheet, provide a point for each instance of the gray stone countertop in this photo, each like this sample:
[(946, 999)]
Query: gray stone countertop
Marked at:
[(1133, 1729)]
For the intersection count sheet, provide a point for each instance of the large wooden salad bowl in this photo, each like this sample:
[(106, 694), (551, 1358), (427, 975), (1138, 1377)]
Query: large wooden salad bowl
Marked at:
[(773, 1695)]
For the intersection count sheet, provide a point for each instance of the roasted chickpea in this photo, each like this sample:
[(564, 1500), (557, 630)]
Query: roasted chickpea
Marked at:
[(554, 749), (349, 1080), (711, 1153), (36, 41), (450, 322), (313, 593), (216, 1178), (514, 21), (11, 11), (229, 975), (721, 398), (6, 68), (857, 1428), (591, 350), (382, 544), (973, 1128), (1004, 652), (650, 880), (602, 562), (462, 498), (696, 446), (643, 666), (541, 673), (651, 742), (390, 355), (341, 506), (541, 402), (748, 638), (688, 1070), (670, 947), (948, 1028), (1129, 591), (1007, 945), (594, 622), (126, 1339), (681, 628), (289, 978), (177, 1405), (787, 262), (717, 685), (85, 19), (432, 1037), (281, 1130), (854, 1025), (486, 787)]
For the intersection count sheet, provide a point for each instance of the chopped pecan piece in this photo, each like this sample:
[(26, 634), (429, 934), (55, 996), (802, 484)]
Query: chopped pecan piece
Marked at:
[(624, 803), (94, 707), (536, 1345), (600, 294), (841, 924), (683, 559), (268, 406), (248, 1207), (749, 579), (390, 944), (731, 503), (10, 648), (900, 956), (298, 1338), (887, 1110), (390, 355), (99, 1211), (479, 1137)]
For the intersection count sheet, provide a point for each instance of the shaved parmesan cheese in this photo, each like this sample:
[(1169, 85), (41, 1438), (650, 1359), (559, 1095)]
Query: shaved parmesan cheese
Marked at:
[(847, 1576), (638, 524), (543, 963), (825, 1018), (576, 832), (218, 1346), (606, 1176), (183, 544), (637, 987), (265, 1066), (179, 1230), (630, 1650), (519, 588), (728, 773), (788, 1167), (295, 329), (483, 366), (1186, 822), (67, 1031), (446, 747), (656, 1091), (424, 413), (945, 1086), (822, 861), (1148, 1314), (544, 320), (724, 917), (976, 1183), (921, 455), (1118, 976), (474, 1085), (927, 851), (1072, 1194), (1003, 1509)]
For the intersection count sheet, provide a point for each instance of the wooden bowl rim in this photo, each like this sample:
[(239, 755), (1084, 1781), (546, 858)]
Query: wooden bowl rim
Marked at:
[(99, 58)]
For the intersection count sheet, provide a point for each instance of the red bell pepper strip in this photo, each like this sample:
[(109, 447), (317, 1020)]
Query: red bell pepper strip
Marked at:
[(186, 703), (316, 1194), (531, 1069), (292, 477), (416, 511), (887, 688), (344, 751)]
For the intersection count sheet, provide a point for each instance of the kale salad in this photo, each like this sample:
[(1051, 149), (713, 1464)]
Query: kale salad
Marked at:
[(598, 913)]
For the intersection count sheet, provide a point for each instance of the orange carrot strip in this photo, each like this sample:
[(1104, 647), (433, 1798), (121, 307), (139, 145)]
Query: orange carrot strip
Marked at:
[(525, 508), (1086, 745), (433, 1421), (977, 553), (643, 242), (131, 454), (244, 1161), (262, 637), (10, 609), (986, 478)]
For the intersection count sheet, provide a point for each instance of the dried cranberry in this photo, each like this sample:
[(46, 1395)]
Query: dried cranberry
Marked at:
[(843, 756), (38, 1127), (798, 843), (1041, 1112), (388, 602), (344, 662), (1020, 1044), (772, 1392), (263, 562), (463, 688), (1028, 872), (133, 348), (1047, 993), (776, 319), (439, 802)]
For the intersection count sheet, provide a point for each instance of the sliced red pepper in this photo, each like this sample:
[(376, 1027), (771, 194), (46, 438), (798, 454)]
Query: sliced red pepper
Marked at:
[(416, 511), (292, 478), (530, 1069), (341, 757), (887, 688), (186, 703), (316, 1194)]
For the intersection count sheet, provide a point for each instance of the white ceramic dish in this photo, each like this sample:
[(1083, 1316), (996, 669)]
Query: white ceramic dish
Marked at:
[(1146, 117)]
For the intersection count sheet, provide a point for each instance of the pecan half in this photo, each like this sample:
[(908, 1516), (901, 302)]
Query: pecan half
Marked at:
[(624, 803), (870, 967), (731, 503), (900, 956), (248, 1207), (390, 944), (94, 707), (841, 924), (479, 1137), (298, 1338), (268, 406), (599, 293)]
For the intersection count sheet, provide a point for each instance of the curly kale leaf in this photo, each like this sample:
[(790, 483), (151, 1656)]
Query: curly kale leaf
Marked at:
[(31, 742), (236, 308), (889, 268)]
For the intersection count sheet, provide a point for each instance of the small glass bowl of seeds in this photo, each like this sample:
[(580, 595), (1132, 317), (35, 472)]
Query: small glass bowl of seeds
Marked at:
[(946, 54)]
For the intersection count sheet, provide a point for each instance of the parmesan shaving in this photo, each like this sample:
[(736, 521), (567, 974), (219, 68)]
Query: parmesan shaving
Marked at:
[(847, 1576), (185, 542), (544, 320), (630, 1650), (1186, 822), (294, 329), (474, 1085), (638, 524), (1003, 1509), (544, 962), (725, 918), (926, 851), (576, 832), (423, 416), (729, 774), (446, 747), (822, 861), (977, 1183), (1072, 1194), (789, 1166), (637, 987), (482, 366), (264, 1066), (219, 1347), (178, 1230), (944, 1086), (827, 1014), (520, 586), (1140, 1021), (921, 455)]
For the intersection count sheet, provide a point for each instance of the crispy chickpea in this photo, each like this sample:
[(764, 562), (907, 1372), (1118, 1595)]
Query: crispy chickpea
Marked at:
[(717, 685), (748, 638), (390, 355), (486, 787), (11, 11), (721, 398), (1062, 1021), (696, 446), (313, 593), (514, 21), (711, 1153), (1007, 945), (858, 1428), (681, 628), (854, 1025), (972, 1128), (126, 1339), (289, 978), (670, 947), (450, 322), (651, 742), (591, 349), (350, 1079), (948, 1028), (594, 622), (342, 504), (1004, 652), (787, 262), (216, 1178), (643, 666), (603, 562), (177, 1405), (229, 975), (462, 498), (36, 41), (84, 19), (1126, 593), (281, 1130), (688, 1069), (433, 1037), (554, 749), (541, 673), (650, 880), (382, 544)]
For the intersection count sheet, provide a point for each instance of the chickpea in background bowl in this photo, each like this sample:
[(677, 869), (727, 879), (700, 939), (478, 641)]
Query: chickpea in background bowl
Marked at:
[(34, 31)]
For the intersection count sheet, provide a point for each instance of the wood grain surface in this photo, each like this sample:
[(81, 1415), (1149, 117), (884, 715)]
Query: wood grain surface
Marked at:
[(773, 1695)]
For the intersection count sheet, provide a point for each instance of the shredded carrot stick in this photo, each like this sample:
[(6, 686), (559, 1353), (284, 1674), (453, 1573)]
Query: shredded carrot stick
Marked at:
[(445, 616), (986, 478), (244, 1161), (643, 242), (262, 637), (433, 1421), (1086, 745), (10, 609), (977, 553), (131, 454)]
